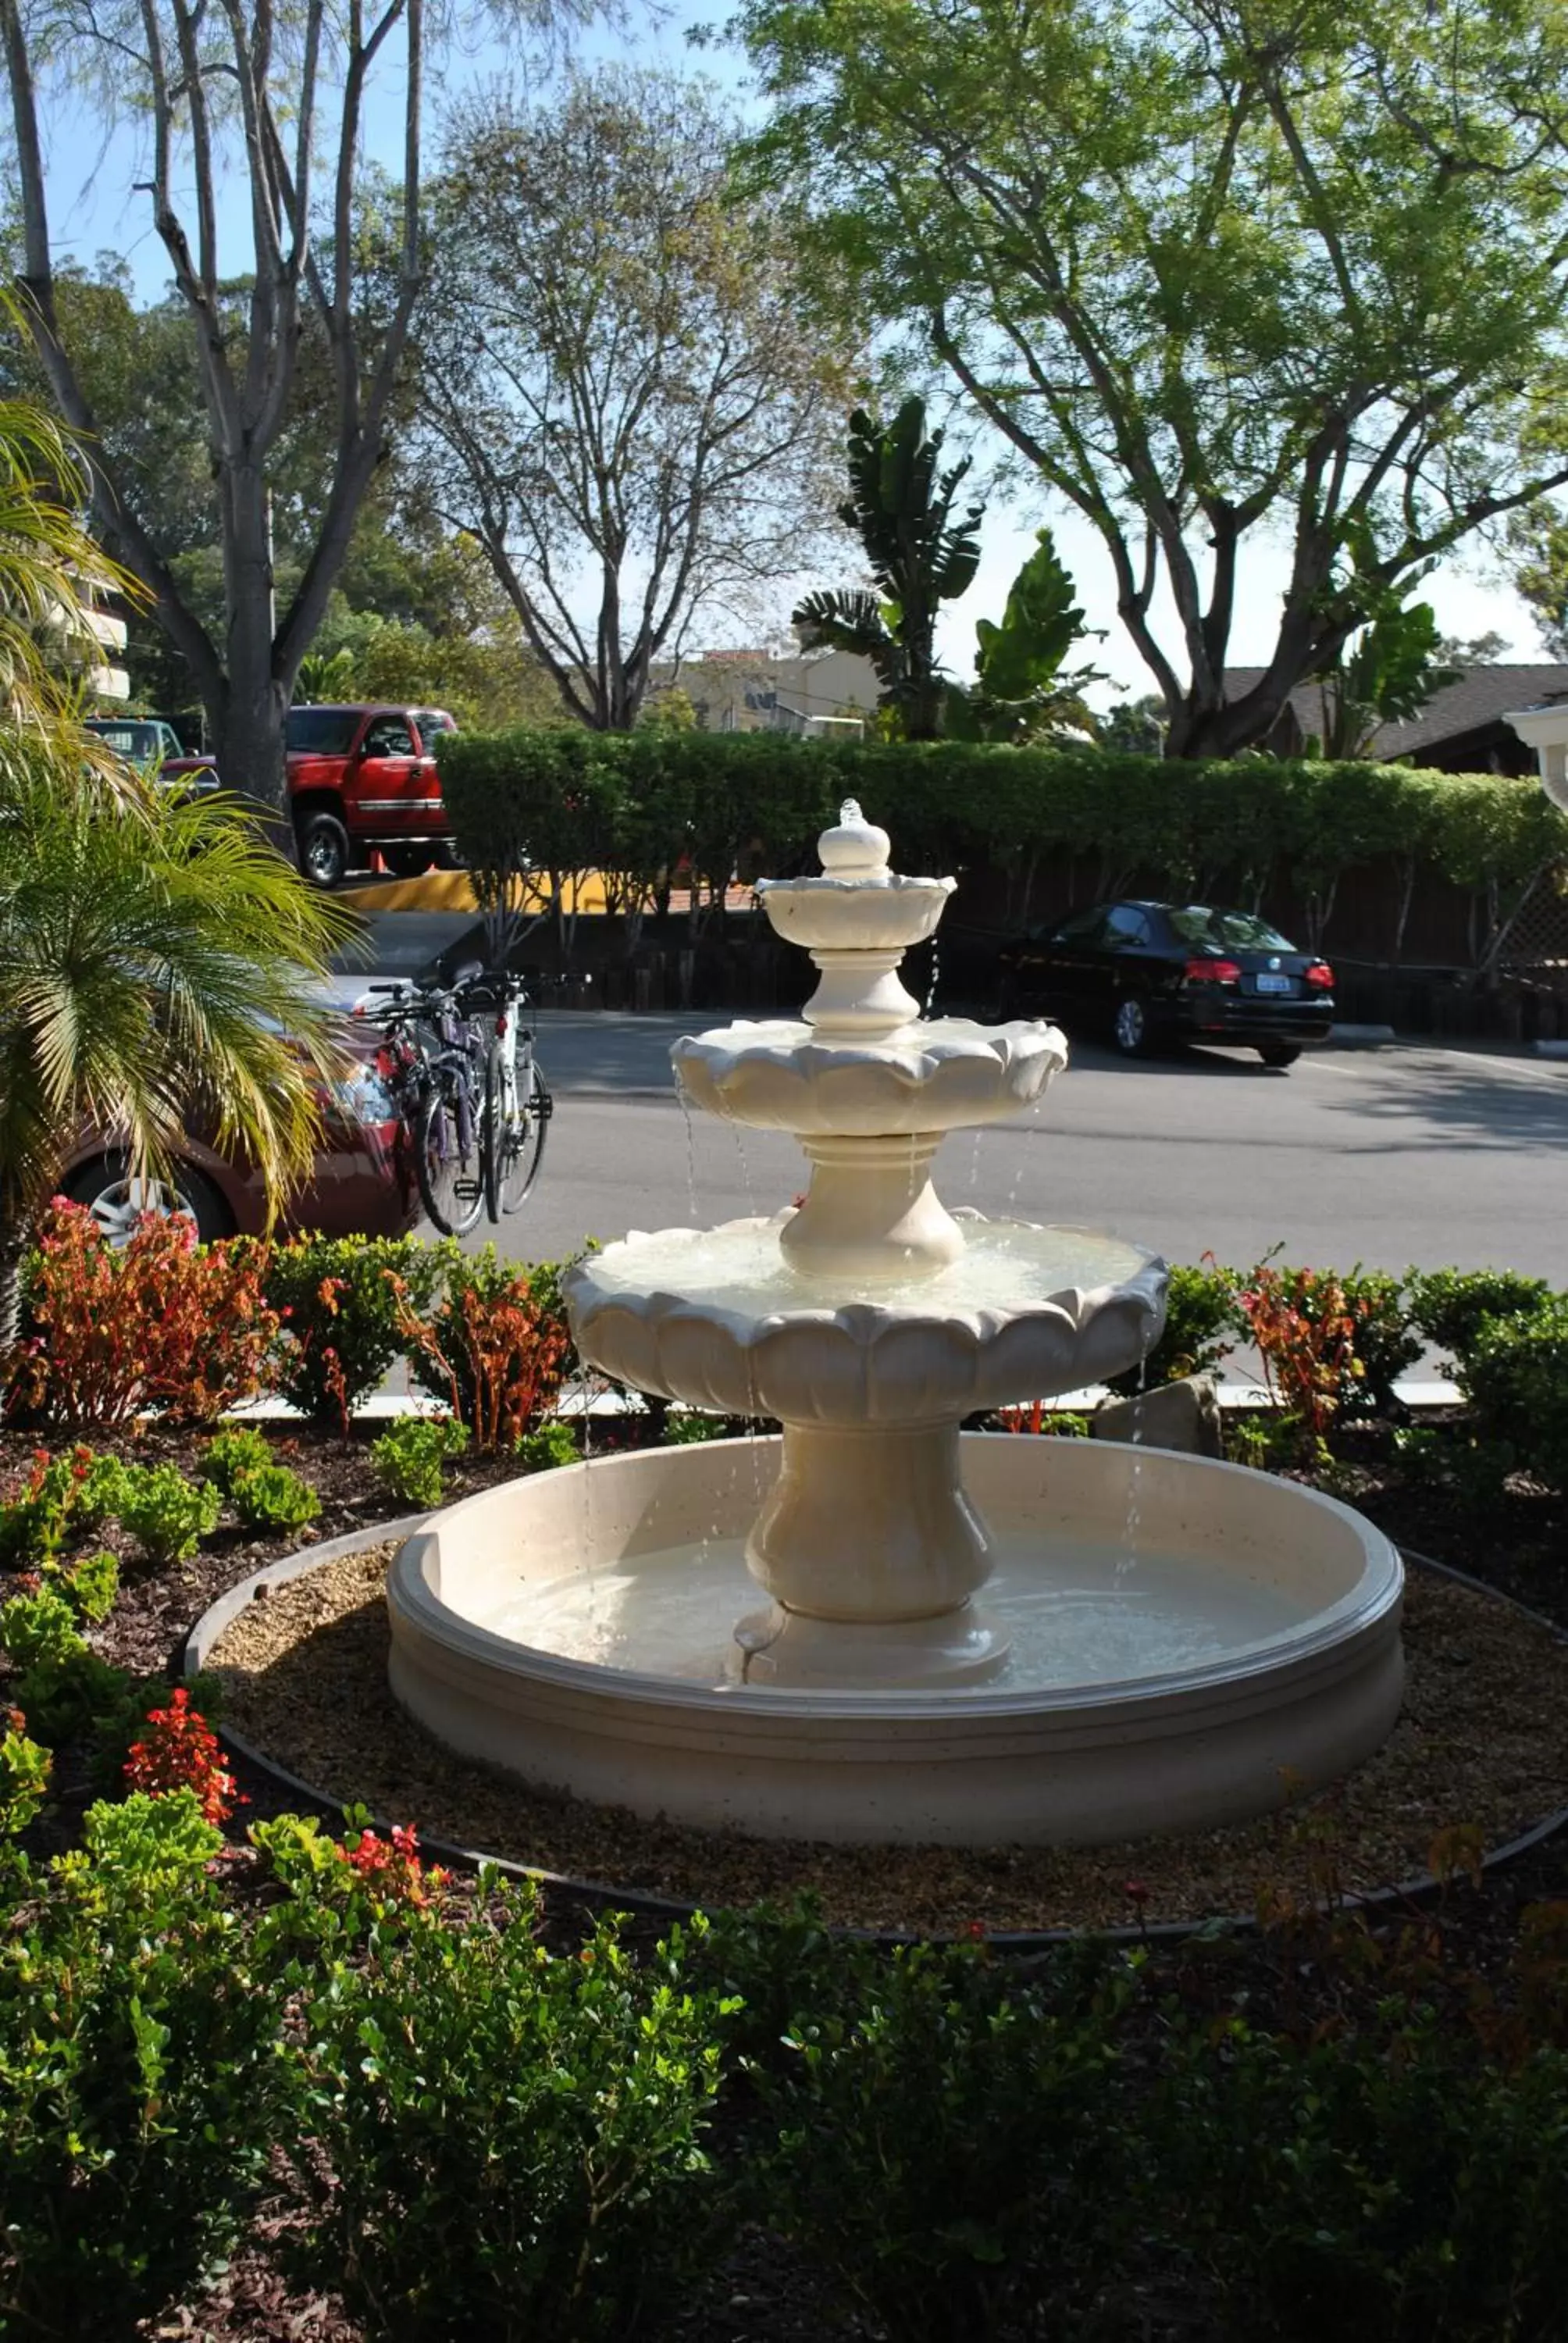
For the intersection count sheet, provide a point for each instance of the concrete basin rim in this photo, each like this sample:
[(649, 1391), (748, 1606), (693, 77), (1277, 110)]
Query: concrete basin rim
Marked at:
[(1333, 1643)]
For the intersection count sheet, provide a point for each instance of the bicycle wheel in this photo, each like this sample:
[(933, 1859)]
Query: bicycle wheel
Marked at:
[(448, 1172), (512, 1162)]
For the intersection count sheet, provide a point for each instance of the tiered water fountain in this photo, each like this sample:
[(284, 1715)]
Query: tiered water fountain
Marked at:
[(968, 1637)]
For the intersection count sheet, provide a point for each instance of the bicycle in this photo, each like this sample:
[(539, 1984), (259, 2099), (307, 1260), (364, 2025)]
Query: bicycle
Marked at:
[(437, 1082), (517, 1105)]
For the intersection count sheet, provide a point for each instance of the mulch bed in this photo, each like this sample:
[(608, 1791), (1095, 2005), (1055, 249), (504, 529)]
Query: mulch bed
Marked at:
[(1482, 1739)]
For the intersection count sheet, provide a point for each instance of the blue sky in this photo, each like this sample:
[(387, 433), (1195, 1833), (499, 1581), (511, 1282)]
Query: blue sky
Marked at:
[(96, 208)]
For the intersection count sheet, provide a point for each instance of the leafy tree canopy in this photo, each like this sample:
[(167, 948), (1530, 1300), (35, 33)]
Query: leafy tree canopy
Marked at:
[(1218, 271)]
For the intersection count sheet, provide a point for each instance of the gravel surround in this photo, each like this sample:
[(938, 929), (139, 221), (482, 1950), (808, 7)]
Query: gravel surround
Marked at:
[(1483, 1740)]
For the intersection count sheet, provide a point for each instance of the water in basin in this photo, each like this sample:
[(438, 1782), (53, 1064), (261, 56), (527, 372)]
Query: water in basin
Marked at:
[(1006, 1265), (1077, 1615)]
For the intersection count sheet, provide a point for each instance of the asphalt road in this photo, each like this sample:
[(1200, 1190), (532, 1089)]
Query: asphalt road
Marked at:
[(1394, 1157)]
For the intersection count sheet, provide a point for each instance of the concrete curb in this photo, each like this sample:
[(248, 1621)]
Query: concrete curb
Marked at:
[(1360, 1036)]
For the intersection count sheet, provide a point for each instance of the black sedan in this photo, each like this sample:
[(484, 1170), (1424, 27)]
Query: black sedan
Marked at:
[(1151, 972)]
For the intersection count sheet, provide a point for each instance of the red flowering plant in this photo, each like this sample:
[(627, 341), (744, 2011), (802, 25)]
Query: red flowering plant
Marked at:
[(179, 1751), (392, 1869), (1304, 1325), (162, 1322), (495, 1350)]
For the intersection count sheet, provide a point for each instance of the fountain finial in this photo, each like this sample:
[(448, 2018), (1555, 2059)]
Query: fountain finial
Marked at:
[(855, 848)]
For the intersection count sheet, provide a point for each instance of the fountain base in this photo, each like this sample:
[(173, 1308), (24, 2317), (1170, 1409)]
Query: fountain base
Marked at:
[(781, 1649), (1228, 1642)]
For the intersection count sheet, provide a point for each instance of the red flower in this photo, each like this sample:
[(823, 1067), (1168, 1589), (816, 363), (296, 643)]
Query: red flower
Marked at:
[(394, 1871), (179, 1751), (1135, 1892)]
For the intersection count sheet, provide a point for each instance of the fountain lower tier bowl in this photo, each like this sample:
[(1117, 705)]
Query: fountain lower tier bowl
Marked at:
[(1190, 1644)]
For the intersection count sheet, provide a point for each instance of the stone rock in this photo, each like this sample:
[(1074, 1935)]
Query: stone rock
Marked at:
[(1183, 1416)]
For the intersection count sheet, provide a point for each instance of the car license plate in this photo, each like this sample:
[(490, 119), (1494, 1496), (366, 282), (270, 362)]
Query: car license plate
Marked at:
[(1274, 983)]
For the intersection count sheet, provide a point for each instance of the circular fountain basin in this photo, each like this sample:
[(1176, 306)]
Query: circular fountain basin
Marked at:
[(1192, 1645), (947, 1073)]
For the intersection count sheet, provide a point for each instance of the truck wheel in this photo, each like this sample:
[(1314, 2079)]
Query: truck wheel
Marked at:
[(324, 849), (406, 861), (447, 855)]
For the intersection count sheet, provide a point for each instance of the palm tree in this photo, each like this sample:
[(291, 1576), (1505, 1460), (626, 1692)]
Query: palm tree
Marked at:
[(157, 956), (157, 960), (47, 561), (920, 555)]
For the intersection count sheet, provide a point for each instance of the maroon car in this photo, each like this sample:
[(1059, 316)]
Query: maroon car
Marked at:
[(362, 1184)]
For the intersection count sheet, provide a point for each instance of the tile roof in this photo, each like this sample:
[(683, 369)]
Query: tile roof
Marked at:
[(1481, 697)]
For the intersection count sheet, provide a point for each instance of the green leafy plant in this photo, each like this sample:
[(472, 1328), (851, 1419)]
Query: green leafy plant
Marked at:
[(90, 1584), (550, 2108), (1451, 1306), (690, 1427), (38, 1628), (166, 1514), (339, 1308), (549, 1445), (1514, 1378), (1385, 1340), (409, 1458), (59, 1498), (142, 2072), (25, 1768), (266, 1495), (1020, 690), (1203, 1324), (988, 2115), (275, 1500), (230, 1455)]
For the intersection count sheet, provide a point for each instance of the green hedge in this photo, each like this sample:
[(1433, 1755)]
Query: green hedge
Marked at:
[(631, 804)]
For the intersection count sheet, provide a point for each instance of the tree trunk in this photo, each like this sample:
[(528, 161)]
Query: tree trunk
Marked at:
[(248, 740), (15, 1235), (248, 723)]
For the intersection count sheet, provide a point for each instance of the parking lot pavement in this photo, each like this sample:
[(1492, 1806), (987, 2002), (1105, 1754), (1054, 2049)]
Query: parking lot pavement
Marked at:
[(1390, 1157)]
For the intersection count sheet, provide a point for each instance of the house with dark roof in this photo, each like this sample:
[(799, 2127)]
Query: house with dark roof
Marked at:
[(1463, 729)]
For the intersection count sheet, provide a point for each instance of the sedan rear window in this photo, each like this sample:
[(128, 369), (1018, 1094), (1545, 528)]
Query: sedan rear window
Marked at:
[(138, 743), (321, 731), (1230, 930)]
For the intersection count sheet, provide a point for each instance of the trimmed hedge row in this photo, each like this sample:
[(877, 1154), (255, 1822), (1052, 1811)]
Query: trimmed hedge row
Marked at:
[(631, 804), (460, 2131), (489, 1337)]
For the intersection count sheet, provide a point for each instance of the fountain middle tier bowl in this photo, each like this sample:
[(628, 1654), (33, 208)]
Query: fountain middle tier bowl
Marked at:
[(1189, 1644), (947, 1074), (719, 1318)]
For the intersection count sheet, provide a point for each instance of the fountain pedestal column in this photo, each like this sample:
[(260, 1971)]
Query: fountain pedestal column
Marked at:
[(871, 1216), (871, 1550)]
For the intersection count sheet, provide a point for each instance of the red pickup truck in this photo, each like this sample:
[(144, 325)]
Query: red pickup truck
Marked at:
[(362, 780)]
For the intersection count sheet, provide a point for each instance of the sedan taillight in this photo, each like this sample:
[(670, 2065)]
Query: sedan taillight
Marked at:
[(1212, 971), (1320, 976)]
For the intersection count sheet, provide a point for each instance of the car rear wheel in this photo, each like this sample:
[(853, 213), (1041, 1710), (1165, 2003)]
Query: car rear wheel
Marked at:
[(324, 849), (1279, 1054), (1131, 1028), (119, 1197)]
